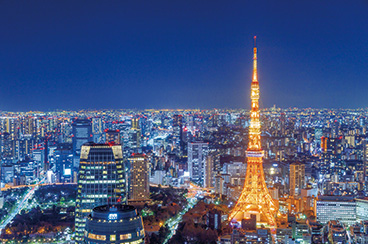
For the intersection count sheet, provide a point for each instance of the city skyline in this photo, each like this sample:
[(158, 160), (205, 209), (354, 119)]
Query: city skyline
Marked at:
[(148, 134), (72, 56)]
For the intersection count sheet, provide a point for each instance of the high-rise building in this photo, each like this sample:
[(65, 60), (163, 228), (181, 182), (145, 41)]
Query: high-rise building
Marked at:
[(135, 134), (118, 224), (82, 133), (97, 128), (197, 154), (178, 131), (64, 162), (101, 180), (255, 198), (139, 178), (332, 163), (297, 178), (209, 172), (365, 162)]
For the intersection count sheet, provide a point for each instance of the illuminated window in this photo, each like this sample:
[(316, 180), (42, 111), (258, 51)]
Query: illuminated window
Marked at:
[(125, 236), (112, 237), (97, 237)]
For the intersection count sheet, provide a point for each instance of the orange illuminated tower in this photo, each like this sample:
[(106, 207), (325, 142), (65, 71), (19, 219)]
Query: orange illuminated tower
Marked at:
[(255, 198)]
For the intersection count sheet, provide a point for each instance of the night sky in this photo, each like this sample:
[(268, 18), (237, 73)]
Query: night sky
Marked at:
[(182, 54)]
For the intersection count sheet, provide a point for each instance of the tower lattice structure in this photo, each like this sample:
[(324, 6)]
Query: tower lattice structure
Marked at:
[(255, 198)]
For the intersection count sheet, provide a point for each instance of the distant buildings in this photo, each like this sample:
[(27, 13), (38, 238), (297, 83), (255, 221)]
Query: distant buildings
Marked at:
[(101, 180), (113, 136)]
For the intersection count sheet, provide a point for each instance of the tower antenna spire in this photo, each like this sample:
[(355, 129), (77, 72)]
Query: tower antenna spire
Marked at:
[(255, 74)]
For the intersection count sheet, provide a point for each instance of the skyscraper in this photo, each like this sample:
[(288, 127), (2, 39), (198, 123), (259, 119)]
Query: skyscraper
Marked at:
[(101, 181), (297, 178), (178, 131), (64, 162), (82, 133), (197, 155), (139, 180), (255, 198), (135, 134), (209, 173)]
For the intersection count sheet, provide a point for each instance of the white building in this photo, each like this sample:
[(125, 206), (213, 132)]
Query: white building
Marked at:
[(340, 208), (197, 154)]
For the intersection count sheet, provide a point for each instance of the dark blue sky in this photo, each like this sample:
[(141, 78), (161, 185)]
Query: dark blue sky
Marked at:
[(181, 54)]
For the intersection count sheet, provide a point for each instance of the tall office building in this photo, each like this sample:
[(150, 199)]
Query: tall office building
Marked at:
[(82, 133), (197, 154), (114, 224), (97, 128), (297, 178), (209, 173), (139, 180), (64, 162), (135, 134), (178, 131), (101, 181)]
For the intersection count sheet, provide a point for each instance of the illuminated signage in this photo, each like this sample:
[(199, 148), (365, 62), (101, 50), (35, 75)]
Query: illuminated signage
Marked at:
[(113, 216)]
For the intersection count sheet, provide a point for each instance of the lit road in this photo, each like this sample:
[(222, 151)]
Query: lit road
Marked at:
[(40, 184), (20, 205), (173, 223)]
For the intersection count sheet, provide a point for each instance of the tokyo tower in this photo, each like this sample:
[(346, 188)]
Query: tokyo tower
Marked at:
[(255, 198)]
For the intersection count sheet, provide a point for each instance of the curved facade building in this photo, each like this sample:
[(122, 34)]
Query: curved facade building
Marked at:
[(114, 224)]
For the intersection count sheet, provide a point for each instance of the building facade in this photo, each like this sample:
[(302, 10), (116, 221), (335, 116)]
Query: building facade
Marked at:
[(297, 178), (82, 133), (139, 178), (101, 180), (338, 208), (114, 224), (197, 154)]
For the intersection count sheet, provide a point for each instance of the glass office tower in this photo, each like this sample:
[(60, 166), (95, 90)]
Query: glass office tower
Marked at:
[(101, 181)]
